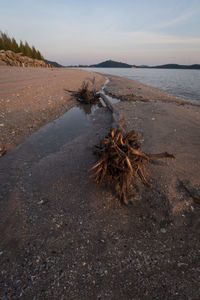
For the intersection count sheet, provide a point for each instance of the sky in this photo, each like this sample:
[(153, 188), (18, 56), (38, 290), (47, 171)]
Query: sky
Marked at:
[(138, 32)]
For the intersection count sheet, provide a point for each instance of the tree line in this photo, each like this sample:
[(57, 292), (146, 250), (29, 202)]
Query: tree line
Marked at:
[(7, 43)]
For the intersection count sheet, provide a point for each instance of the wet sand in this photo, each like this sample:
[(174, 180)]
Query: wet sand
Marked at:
[(132, 90), (64, 238)]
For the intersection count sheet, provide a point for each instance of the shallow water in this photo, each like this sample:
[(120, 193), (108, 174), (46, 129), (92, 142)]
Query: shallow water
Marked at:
[(180, 83), (75, 122), (52, 136)]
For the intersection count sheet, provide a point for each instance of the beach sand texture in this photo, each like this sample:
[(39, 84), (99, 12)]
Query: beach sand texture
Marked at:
[(64, 238)]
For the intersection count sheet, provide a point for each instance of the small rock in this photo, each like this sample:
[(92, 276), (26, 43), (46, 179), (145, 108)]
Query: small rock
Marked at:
[(1, 252), (163, 230), (1, 125), (181, 264), (101, 270), (41, 202)]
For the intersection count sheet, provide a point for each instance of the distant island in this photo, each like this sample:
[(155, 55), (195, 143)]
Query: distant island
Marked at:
[(116, 64), (105, 64), (176, 66), (111, 64)]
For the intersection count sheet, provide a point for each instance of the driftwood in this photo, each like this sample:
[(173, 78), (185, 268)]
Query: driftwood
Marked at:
[(120, 157), (2, 150), (117, 117), (86, 95)]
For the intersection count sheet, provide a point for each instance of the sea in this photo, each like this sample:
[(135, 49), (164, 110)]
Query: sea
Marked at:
[(180, 83)]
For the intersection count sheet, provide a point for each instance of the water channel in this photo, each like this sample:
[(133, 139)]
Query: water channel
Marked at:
[(75, 122)]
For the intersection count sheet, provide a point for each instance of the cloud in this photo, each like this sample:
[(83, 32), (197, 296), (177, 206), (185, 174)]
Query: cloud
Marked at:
[(175, 21), (136, 39), (145, 37)]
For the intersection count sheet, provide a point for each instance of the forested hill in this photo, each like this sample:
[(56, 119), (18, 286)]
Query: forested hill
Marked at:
[(176, 66), (53, 63), (7, 43), (111, 64)]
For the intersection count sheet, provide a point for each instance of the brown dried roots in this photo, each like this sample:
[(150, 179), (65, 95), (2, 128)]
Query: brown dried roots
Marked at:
[(2, 150), (120, 160), (86, 95)]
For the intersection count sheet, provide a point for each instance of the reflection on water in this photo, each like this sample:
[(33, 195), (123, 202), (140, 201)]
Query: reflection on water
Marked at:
[(90, 109), (76, 121)]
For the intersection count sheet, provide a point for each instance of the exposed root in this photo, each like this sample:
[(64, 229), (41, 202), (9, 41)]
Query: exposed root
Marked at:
[(2, 150), (85, 94), (120, 160)]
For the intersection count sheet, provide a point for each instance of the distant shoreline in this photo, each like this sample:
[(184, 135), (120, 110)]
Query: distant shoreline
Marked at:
[(116, 64)]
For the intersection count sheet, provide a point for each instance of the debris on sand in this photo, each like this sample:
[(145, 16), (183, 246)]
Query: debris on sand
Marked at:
[(85, 94), (120, 157), (120, 160), (2, 150)]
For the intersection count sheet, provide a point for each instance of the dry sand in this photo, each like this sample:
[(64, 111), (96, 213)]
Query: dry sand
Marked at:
[(64, 238)]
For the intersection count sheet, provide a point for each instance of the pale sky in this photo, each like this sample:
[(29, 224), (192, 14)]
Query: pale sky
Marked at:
[(86, 32)]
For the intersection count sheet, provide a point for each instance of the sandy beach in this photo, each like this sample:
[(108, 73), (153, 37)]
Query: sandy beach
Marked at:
[(32, 97), (64, 238)]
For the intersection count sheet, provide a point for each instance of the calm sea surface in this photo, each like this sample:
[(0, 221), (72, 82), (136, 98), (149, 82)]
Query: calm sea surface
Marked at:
[(180, 83)]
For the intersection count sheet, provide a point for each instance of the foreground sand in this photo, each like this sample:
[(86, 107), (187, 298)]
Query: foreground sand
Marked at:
[(64, 238)]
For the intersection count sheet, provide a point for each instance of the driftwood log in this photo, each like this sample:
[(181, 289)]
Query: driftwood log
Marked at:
[(118, 119), (120, 157)]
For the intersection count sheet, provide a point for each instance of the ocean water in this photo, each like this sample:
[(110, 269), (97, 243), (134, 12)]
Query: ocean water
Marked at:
[(180, 83)]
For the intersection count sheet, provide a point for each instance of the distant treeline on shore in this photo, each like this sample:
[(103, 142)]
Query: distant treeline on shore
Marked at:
[(115, 64), (7, 43)]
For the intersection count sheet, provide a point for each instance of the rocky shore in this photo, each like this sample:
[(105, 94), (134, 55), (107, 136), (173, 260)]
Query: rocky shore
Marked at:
[(10, 58), (64, 238)]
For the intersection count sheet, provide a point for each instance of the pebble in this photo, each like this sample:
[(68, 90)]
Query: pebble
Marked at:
[(163, 230), (1, 252), (41, 202), (1, 125), (182, 264)]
